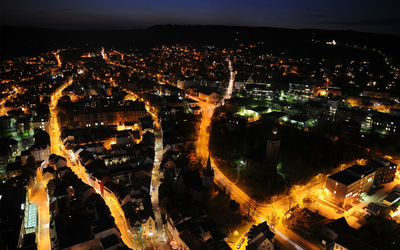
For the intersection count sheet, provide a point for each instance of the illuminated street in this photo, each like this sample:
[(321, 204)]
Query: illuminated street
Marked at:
[(38, 194), (160, 236), (75, 165), (38, 190), (262, 211), (229, 89), (209, 134)]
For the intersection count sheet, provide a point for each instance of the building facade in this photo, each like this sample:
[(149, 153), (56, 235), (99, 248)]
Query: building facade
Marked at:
[(385, 170), (41, 153), (349, 184)]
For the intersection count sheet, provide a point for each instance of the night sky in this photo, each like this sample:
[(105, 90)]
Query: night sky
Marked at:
[(367, 15)]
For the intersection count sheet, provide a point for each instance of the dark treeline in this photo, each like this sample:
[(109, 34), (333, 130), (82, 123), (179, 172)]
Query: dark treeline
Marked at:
[(17, 41)]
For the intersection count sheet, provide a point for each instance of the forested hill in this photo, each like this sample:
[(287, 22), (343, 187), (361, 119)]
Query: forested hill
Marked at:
[(16, 41)]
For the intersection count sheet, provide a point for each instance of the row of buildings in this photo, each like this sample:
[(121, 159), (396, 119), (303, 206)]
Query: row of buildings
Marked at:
[(122, 171)]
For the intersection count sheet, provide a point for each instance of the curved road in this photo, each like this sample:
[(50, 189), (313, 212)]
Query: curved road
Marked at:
[(261, 210)]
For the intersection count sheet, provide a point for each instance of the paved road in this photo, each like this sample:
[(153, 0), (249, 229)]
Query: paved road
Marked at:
[(261, 210), (160, 235)]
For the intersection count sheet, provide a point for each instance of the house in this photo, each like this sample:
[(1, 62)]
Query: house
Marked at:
[(260, 237), (195, 110), (138, 210), (208, 95), (40, 153), (58, 161), (391, 198), (75, 205), (187, 83), (239, 84), (190, 231), (175, 232), (96, 148), (168, 90), (149, 227), (339, 235)]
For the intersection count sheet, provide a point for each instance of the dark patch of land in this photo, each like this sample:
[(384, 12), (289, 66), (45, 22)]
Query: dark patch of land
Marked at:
[(17, 41)]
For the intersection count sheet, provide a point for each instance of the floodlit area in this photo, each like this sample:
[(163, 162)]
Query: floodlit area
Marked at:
[(38, 194), (260, 210), (295, 151), (112, 202)]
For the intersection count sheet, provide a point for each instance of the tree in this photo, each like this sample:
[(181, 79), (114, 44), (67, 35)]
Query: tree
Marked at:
[(251, 208), (233, 205), (273, 219), (290, 201)]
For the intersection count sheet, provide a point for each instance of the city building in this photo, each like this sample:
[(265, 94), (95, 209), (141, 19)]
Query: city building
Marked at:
[(175, 231), (188, 83), (80, 219), (349, 184), (385, 123), (301, 91), (385, 170), (168, 90), (41, 123), (298, 121), (260, 90), (116, 115), (391, 198)]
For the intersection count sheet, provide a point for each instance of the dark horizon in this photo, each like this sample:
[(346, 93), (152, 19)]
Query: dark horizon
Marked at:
[(366, 16), (194, 25)]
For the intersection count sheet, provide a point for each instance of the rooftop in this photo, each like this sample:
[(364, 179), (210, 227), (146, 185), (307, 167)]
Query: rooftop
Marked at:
[(344, 177), (352, 174)]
